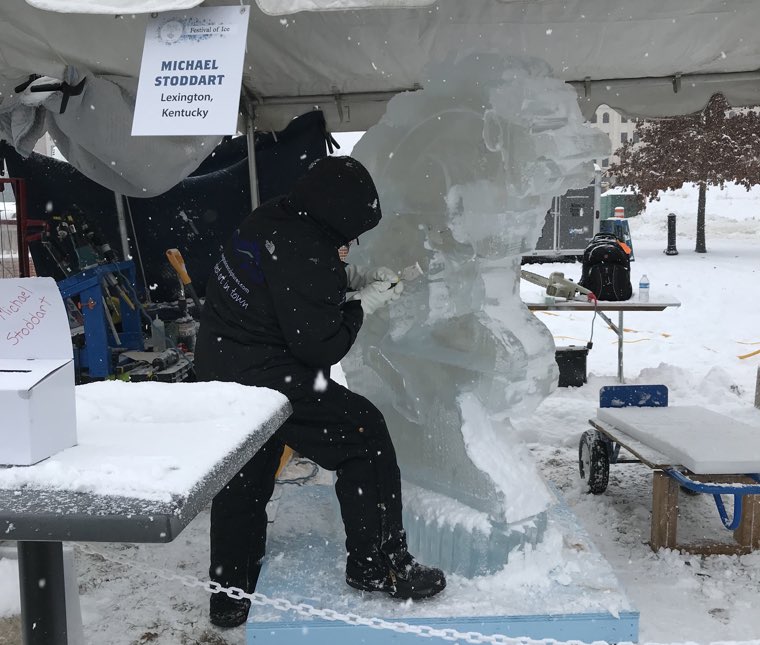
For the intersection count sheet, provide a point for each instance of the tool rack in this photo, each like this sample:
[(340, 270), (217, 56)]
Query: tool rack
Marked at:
[(96, 355)]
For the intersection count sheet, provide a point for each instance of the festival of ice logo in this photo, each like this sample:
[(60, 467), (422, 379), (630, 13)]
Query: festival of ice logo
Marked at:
[(170, 32)]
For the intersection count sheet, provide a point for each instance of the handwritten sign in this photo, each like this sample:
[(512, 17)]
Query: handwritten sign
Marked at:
[(191, 72), (33, 320)]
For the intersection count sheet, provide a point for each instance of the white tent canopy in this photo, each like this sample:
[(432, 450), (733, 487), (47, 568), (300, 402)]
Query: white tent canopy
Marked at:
[(273, 7), (645, 58)]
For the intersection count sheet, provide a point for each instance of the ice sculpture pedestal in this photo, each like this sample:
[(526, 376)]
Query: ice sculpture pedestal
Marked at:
[(572, 596)]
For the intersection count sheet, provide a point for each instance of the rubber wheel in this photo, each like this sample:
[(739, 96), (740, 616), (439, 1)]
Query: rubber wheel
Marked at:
[(594, 462)]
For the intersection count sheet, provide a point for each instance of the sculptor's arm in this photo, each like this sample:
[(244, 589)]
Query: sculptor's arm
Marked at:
[(318, 328)]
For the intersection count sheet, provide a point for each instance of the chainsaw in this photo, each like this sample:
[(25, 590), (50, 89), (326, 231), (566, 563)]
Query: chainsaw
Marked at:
[(558, 285)]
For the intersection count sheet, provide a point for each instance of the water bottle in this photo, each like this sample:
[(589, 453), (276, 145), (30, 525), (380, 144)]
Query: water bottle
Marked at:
[(644, 289), (158, 335)]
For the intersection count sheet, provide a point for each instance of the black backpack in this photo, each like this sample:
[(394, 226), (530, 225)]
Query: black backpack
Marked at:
[(606, 268)]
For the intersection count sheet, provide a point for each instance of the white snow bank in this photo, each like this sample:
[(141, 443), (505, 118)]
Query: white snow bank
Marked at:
[(731, 213)]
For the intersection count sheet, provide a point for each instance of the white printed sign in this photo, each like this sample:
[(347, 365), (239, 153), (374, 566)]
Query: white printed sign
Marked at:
[(33, 320), (191, 72)]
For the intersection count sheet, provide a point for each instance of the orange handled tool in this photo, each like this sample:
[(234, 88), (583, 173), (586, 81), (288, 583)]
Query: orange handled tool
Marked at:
[(178, 262)]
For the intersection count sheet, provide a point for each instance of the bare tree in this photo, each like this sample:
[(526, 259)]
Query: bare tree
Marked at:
[(710, 148)]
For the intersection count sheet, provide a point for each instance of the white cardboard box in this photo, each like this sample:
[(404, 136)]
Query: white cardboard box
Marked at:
[(37, 398)]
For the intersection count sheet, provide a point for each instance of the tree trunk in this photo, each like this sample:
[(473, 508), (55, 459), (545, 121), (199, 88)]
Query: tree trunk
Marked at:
[(701, 248)]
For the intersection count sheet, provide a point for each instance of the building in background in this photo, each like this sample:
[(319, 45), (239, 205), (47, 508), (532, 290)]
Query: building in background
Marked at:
[(617, 127)]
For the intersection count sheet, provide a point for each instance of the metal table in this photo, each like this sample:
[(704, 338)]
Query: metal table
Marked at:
[(655, 304), (41, 520)]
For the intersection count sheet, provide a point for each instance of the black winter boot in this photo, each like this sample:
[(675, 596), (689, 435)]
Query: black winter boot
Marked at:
[(231, 612), (400, 577), (228, 612)]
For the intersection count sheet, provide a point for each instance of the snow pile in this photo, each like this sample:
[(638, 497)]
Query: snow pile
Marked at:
[(731, 213)]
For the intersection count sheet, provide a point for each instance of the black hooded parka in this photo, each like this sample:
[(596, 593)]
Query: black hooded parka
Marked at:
[(275, 316), (276, 310)]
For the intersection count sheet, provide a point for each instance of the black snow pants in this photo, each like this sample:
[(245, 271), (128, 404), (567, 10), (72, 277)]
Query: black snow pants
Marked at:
[(340, 431)]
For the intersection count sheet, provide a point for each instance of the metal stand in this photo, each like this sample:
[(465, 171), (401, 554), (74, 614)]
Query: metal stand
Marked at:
[(618, 329), (121, 217), (604, 306), (43, 594), (250, 130), (671, 250)]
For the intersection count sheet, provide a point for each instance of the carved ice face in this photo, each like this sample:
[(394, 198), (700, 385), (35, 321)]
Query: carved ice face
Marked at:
[(481, 151)]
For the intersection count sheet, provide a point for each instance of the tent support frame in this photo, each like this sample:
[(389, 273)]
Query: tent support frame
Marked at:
[(250, 129)]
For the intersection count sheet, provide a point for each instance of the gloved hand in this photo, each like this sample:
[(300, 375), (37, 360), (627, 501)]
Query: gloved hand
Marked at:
[(358, 278), (376, 294)]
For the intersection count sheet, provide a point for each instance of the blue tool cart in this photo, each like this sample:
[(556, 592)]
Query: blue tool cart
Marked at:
[(91, 287)]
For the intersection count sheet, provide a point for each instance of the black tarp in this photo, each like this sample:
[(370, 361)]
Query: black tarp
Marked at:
[(196, 216)]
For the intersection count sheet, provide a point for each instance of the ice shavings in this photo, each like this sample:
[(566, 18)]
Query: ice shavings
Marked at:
[(149, 441), (562, 574), (443, 510), (545, 578), (506, 460)]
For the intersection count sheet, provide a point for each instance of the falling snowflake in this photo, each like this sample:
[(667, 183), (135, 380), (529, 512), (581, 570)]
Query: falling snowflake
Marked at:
[(320, 382)]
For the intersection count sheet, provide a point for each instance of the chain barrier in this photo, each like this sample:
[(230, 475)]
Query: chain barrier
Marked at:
[(284, 605)]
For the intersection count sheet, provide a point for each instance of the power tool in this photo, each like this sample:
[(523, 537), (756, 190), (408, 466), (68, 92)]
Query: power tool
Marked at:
[(558, 285)]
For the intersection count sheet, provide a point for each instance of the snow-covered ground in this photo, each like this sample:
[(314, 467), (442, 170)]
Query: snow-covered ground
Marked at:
[(695, 350)]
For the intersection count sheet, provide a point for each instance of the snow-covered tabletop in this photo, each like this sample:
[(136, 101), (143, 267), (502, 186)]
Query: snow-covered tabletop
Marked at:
[(705, 442), (149, 457)]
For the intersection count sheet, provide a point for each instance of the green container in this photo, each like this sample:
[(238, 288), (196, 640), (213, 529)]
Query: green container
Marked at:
[(608, 203)]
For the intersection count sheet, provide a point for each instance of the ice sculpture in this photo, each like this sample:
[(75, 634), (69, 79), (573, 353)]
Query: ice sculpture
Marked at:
[(466, 170)]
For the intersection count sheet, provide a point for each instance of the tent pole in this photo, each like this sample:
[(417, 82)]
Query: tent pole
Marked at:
[(250, 125), (122, 225)]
